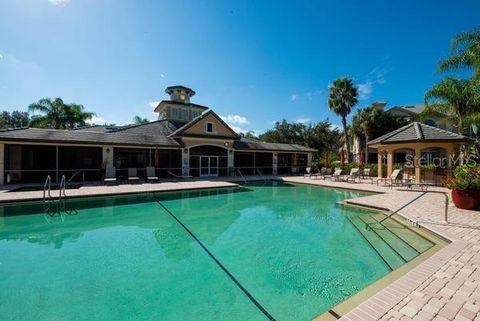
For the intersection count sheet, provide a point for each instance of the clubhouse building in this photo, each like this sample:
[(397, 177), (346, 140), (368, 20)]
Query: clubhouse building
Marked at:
[(187, 140)]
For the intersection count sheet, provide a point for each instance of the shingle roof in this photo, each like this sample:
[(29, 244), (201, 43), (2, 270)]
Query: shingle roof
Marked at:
[(418, 132), (180, 131), (86, 137), (172, 102), (251, 144)]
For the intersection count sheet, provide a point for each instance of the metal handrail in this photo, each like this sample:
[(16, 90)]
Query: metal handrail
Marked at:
[(243, 177), (48, 183), (261, 175), (415, 199), (61, 189), (75, 174)]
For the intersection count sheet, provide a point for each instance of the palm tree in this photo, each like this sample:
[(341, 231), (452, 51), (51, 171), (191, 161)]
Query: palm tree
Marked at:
[(465, 53), (137, 120), (341, 99), (56, 114), (363, 124), (458, 99)]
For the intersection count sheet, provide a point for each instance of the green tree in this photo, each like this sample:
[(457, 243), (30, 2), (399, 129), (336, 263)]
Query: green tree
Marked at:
[(15, 119), (137, 120), (56, 114), (370, 123), (465, 53), (342, 97), (249, 134), (458, 99)]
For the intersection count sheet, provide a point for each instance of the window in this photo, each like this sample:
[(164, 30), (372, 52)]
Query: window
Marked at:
[(174, 113), (209, 127)]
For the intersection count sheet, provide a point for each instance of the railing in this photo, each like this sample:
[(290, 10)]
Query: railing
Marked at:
[(241, 175), (47, 187), (75, 174), (261, 175), (61, 188), (367, 225)]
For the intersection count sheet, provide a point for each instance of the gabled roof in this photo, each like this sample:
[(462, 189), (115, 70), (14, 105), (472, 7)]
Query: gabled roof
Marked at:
[(418, 132), (86, 137), (409, 109), (181, 131), (253, 144)]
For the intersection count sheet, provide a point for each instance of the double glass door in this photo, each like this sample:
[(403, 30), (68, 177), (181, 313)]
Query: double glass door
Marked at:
[(208, 165)]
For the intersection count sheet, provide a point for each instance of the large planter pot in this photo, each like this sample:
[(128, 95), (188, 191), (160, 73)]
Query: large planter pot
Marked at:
[(467, 200)]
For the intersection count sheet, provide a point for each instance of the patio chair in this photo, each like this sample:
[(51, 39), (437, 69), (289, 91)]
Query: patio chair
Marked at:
[(336, 176), (322, 172), (151, 177), (393, 178), (179, 176), (309, 173), (132, 175), (110, 175), (353, 176)]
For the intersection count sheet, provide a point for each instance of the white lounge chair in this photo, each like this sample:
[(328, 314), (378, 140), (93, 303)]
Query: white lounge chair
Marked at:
[(132, 175), (309, 173), (179, 176), (151, 177), (353, 176), (336, 176), (110, 175), (392, 179)]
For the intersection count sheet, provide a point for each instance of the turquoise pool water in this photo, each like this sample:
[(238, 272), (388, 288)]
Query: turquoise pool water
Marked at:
[(268, 251)]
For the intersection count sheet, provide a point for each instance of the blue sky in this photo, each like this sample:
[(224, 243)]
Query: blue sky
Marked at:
[(254, 62)]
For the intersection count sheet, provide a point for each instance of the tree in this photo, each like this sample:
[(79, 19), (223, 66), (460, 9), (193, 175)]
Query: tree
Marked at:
[(56, 114), (465, 53), (458, 99), (342, 97), (15, 119), (137, 120), (370, 123), (249, 134)]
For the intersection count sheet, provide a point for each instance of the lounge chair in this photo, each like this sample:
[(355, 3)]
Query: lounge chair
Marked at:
[(132, 175), (309, 173), (322, 172), (179, 176), (110, 175), (353, 176), (392, 179), (336, 176), (366, 173), (151, 177)]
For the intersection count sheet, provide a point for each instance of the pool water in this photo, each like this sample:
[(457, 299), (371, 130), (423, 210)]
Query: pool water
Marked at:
[(269, 251)]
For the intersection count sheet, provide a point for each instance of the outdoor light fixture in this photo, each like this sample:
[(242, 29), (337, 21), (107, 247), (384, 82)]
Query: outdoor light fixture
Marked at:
[(108, 150), (185, 150), (226, 144)]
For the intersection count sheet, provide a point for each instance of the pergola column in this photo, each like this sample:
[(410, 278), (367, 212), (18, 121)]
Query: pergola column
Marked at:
[(416, 160), (380, 163), (451, 152), (389, 162)]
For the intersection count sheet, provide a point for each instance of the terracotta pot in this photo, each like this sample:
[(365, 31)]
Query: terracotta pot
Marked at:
[(467, 200)]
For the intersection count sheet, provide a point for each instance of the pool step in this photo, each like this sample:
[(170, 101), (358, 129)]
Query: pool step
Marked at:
[(402, 248), (384, 250), (418, 242)]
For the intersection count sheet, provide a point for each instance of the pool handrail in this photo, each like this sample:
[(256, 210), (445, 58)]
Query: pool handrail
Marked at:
[(47, 187)]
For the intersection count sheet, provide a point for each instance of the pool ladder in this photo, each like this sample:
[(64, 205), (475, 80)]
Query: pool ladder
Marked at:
[(243, 177), (48, 200)]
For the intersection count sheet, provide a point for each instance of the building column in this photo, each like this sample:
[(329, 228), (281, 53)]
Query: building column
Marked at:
[(309, 159), (107, 156), (2, 164), (275, 164), (389, 163), (230, 160), (186, 161), (380, 163)]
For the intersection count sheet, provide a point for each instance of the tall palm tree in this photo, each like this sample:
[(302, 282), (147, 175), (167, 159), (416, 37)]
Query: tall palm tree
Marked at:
[(342, 97), (458, 99), (56, 114), (363, 124), (137, 120), (465, 53)]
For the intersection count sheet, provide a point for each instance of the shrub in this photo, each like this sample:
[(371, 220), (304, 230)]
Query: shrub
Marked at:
[(466, 177)]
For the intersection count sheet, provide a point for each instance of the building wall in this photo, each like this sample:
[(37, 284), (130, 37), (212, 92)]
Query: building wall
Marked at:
[(199, 127)]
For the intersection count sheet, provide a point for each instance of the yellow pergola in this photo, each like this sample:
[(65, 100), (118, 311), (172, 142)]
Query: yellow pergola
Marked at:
[(415, 138)]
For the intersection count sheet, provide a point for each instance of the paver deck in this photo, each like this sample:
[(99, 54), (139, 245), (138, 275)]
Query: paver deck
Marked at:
[(446, 286)]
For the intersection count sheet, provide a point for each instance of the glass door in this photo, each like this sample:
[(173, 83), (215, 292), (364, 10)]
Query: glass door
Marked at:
[(213, 165), (204, 166)]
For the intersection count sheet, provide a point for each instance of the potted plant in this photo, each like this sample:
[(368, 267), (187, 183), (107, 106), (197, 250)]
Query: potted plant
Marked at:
[(465, 186)]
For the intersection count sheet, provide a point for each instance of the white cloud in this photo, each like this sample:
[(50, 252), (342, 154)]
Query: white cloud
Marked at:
[(365, 90), (1, 56), (306, 95), (154, 104), (303, 120), (235, 119), (59, 3), (162, 75), (96, 120)]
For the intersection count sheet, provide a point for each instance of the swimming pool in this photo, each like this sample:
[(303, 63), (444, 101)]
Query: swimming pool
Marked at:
[(267, 251)]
